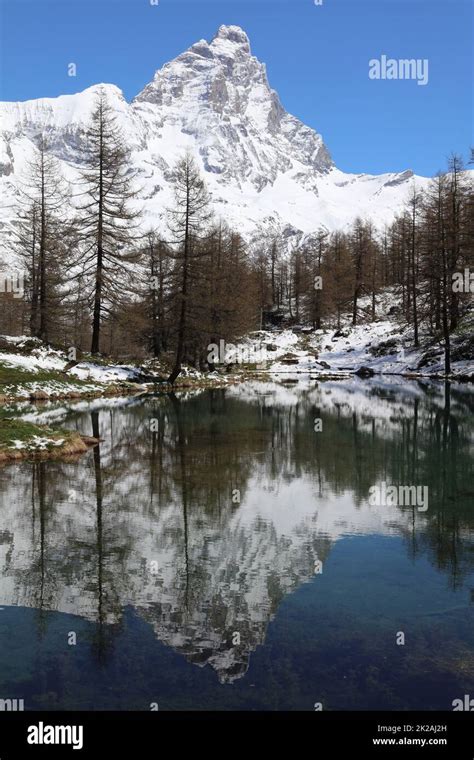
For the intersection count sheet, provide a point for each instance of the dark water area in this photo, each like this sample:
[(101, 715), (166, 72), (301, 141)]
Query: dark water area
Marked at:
[(219, 550)]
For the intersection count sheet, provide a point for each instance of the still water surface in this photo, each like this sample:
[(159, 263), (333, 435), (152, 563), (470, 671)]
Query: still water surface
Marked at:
[(182, 596)]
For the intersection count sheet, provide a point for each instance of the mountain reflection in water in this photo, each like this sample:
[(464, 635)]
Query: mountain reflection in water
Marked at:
[(150, 521)]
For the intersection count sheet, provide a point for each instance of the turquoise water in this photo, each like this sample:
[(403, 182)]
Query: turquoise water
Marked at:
[(215, 552)]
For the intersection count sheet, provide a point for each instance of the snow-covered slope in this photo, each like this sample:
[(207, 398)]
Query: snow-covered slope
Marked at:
[(262, 165)]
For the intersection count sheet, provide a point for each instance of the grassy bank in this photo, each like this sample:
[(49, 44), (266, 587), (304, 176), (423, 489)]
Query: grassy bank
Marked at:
[(23, 440), (20, 384)]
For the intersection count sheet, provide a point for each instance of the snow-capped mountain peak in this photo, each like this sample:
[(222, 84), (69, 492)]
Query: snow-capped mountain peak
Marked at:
[(233, 34), (262, 165), (218, 94)]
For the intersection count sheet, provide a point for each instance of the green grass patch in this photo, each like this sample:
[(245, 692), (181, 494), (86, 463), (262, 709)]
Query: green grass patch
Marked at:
[(20, 430), (16, 376)]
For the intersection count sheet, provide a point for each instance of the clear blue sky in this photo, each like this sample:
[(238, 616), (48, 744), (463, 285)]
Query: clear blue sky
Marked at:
[(317, 59)]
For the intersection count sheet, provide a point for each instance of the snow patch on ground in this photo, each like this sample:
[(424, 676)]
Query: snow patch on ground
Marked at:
[(382, 345), (36, 443)]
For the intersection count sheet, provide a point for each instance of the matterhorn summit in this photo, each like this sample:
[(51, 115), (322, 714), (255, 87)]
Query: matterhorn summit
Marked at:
[(263, 167), (218, 95)]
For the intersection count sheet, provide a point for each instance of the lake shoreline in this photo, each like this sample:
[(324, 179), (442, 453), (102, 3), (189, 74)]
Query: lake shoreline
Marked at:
[(211, 382), (75, 445)]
